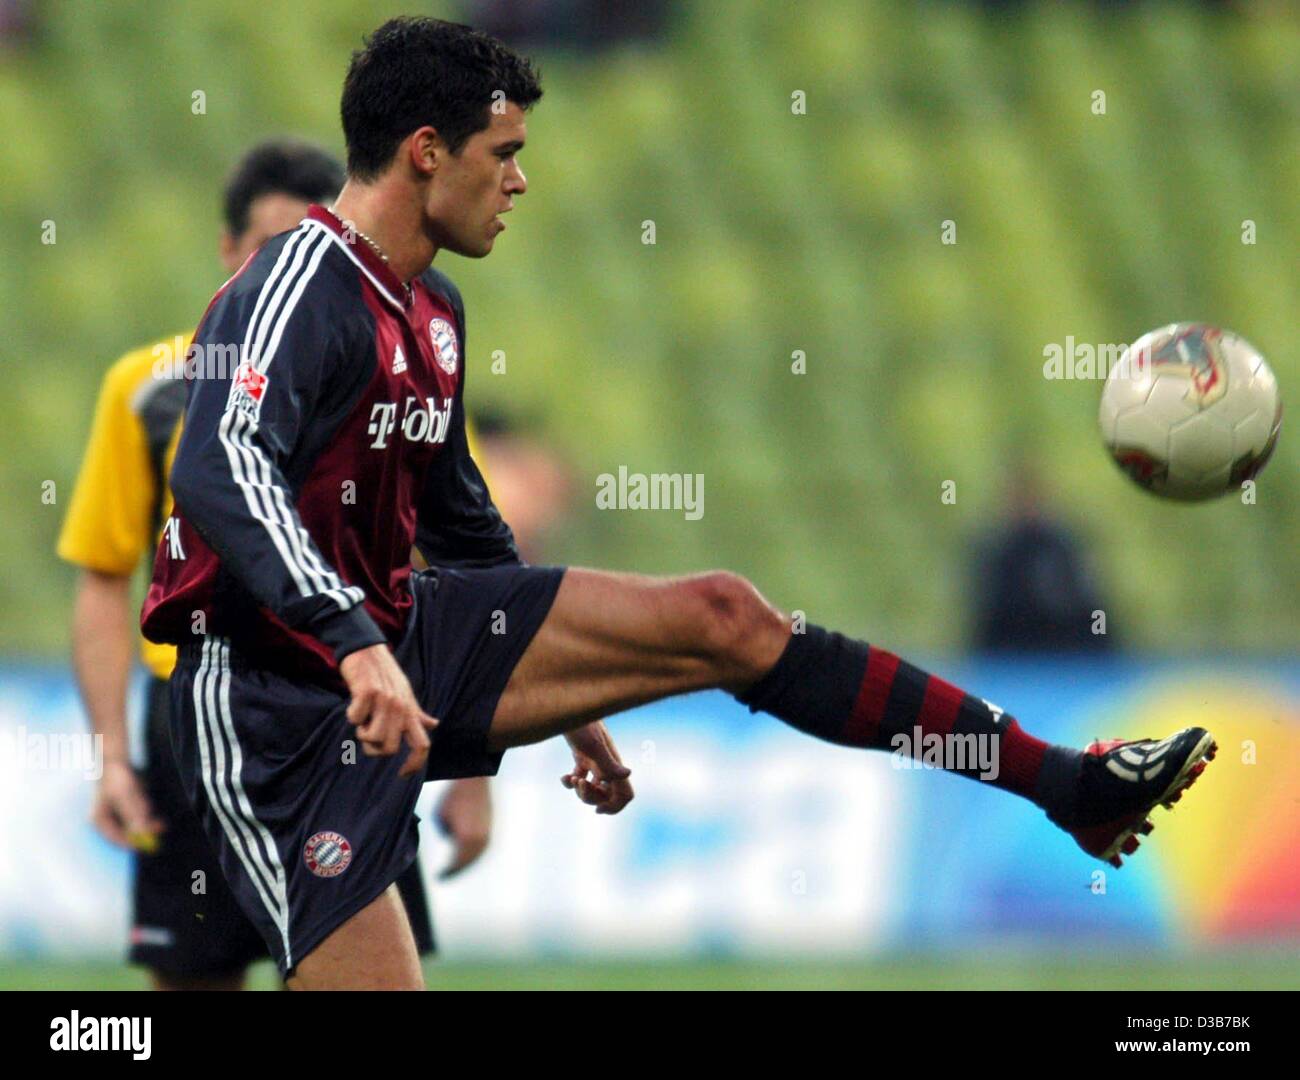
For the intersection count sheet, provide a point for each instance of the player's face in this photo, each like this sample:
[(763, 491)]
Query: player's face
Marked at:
[(473, 187), (268, 216)]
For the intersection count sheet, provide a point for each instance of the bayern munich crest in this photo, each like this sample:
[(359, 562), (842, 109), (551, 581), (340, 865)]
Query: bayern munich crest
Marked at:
[(327, 854), (443, 336)]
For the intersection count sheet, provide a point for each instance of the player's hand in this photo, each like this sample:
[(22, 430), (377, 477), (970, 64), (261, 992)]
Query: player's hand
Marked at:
[(599, 777), (465, 815), (122, 812), (384, 708)]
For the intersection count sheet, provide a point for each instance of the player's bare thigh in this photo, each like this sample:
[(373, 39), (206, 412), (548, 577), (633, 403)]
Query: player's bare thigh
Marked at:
[(612, 641), (373, 950)]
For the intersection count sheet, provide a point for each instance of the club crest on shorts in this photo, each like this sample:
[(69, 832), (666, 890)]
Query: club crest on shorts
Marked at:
[(327, 854), (443, 336)]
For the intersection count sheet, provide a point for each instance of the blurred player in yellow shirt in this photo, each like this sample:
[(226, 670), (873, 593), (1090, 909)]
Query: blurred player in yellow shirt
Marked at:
[(187, 928)]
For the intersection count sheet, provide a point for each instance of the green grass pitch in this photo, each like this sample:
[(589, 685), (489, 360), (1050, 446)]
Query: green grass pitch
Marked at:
[(1245, 970)]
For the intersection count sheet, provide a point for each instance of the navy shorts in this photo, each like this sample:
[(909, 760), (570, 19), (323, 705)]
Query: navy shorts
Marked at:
[(176, 930), (307, 829), (185, 932)]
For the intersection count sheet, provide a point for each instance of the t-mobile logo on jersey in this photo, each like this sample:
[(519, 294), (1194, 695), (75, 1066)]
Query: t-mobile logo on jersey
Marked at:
[(423, 423)]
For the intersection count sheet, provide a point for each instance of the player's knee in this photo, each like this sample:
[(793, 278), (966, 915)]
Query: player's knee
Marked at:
[(737, 627)]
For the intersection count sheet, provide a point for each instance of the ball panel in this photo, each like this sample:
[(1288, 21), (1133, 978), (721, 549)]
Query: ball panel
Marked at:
[(1139, 429), (1200, 445)]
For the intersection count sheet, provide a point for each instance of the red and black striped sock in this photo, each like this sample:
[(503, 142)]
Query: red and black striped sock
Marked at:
[(851, 693)]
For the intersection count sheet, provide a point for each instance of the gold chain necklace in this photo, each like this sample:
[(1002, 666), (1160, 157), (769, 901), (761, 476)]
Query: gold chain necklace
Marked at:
[(373, 247)]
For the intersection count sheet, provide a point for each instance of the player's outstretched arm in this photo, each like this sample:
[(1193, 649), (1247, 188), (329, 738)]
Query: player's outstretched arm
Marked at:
[(272, 384)]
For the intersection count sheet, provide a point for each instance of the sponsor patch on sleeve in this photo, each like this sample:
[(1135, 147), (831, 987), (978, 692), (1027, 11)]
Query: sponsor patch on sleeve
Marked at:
[(247, 390)]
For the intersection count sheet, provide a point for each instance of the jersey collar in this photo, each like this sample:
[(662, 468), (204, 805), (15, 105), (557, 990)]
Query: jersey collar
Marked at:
[(390, 286)]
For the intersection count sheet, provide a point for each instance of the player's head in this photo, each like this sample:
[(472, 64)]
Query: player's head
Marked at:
[(437, 109), (269, 191)]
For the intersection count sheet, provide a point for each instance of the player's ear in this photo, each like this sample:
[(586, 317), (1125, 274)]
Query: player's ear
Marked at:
[(425, 145)]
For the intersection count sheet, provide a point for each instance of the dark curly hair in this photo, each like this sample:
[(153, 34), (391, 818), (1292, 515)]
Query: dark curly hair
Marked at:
[(415, 71), (279, 167)]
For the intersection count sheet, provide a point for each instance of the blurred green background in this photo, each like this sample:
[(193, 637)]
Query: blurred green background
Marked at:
[(776, 232)]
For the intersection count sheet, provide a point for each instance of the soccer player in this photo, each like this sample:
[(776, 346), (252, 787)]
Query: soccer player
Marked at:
[(325, 432), (187, 940)]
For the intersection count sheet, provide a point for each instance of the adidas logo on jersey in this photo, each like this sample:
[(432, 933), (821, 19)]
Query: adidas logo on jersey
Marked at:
[(399, 361)]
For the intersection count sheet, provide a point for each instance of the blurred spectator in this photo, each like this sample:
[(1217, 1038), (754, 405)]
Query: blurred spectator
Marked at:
[(15, 22), (530, 484), (1033, 588)]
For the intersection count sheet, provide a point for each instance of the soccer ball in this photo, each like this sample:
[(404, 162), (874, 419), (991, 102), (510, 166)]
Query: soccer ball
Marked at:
[(1190, 411)]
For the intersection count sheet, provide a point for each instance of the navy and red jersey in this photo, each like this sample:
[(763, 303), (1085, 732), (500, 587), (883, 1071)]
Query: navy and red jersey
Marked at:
[(324, 434)]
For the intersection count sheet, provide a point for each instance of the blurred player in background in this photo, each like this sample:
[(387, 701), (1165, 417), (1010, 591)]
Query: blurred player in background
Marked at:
[(531, 484), (189, 936)]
